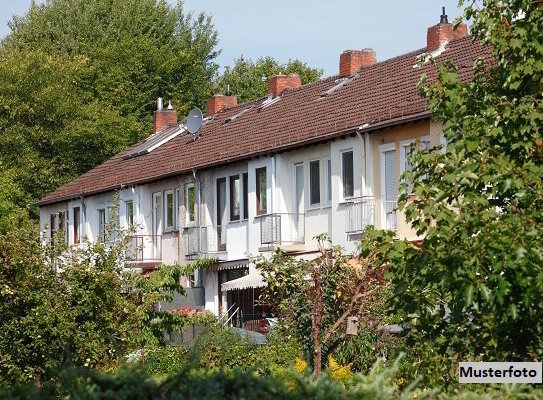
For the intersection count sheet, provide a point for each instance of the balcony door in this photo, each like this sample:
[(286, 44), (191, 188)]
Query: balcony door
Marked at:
[(221, 214), (157, 224), (389, 186)]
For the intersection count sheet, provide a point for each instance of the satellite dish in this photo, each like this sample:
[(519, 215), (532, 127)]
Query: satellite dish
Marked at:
[(194, 121)]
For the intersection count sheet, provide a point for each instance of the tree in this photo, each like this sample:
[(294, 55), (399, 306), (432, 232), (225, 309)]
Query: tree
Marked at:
[(80, 79), (248, 79), (315, 299), (474, 287)]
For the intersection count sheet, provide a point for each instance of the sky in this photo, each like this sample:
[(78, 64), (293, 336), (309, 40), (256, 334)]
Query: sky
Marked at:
[(314, 31)]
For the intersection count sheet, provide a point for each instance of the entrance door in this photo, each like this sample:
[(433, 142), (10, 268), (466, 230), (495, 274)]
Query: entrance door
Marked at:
[(389, 189), (157, 225)]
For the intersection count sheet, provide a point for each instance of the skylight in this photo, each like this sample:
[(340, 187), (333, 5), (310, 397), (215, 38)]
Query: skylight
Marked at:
[(233, 117), (154, 141), (338, 86)]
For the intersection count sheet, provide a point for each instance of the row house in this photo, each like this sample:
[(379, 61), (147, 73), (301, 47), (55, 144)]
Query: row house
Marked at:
[(274, 172)]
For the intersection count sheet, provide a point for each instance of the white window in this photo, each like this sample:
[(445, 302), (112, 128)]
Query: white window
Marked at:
[(314, 183), (169, 214), (406, 148), (129, 214), (389, 185), (190, 204), (176, 210), (328, 180), (299, 188), (157, 213), (102, 223), (347, 174), (235, 200)]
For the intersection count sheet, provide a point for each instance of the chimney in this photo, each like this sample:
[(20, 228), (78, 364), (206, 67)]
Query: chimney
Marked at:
[(163, 118), (443, 32), (351, 61), (278, 83), (219, 101)]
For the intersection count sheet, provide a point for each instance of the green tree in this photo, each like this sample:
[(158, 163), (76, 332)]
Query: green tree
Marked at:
[(315, 299), (474, 286), (80, 79), (248, 79)]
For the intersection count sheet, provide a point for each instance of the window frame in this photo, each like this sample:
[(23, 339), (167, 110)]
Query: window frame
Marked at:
[(101, 223), (169, 211), (327, 181), (76, 225), (404, 160), (261, 209), (231, 197), (346, 196), (176, 208), (129, 216), (188, 220), (245, 191), (312, 185)]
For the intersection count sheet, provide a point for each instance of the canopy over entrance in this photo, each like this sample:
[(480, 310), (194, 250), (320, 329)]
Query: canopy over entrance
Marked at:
[(253, 280)]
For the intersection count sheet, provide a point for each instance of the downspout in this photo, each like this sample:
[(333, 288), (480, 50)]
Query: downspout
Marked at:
[(199, 282)]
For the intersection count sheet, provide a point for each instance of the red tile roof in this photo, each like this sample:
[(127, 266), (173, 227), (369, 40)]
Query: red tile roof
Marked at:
[(382, 94)]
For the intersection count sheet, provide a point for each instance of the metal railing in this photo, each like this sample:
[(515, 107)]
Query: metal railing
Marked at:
[(282, 228), (376, 211), (213, 241), (143, 248)]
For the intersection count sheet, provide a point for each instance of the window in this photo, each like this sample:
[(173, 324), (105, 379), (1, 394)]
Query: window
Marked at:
[(261, 185), (169, 215), (77, 221), (314, 183), (102, 223), (299, 188), (328, 181), (221, 214), (347, 174), (189, 204), (129, 210), (406, 148), (157, 213), (235, 202), (245, 196), (52, 228), (176, 210)]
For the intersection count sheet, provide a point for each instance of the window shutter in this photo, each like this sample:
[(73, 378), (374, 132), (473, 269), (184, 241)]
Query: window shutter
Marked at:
[(391, 180)]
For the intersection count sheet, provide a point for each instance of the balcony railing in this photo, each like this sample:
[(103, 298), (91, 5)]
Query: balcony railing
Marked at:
[(213, 241), (144, 248), (364, 211), (281, 229)]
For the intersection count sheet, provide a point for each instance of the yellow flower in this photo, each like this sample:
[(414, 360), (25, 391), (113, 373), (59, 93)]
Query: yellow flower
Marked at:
[(300, 365), (336, 371)]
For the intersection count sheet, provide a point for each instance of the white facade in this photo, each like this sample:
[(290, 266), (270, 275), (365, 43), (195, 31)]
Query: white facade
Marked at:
[(336, 188)]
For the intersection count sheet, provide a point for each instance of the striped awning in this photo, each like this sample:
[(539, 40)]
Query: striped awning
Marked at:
[(253, 280)]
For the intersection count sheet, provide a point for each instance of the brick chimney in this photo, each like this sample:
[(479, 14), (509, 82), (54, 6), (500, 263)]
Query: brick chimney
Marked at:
[(443, 32), (351, 61), (163, 118), (278, 83), (219, 101)]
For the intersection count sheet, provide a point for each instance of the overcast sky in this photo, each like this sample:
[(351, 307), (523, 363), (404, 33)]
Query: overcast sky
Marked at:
[(315, 31)]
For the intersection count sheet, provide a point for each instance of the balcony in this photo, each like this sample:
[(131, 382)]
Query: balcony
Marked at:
[(144, 249), (376, 211), (213, 242), (280, 230)]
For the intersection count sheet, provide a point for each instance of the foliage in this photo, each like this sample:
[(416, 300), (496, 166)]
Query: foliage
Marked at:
[(315, 299), (130, 383), (248, 79), (220, 347), (473, 287), (79, 80), (61, 309)]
